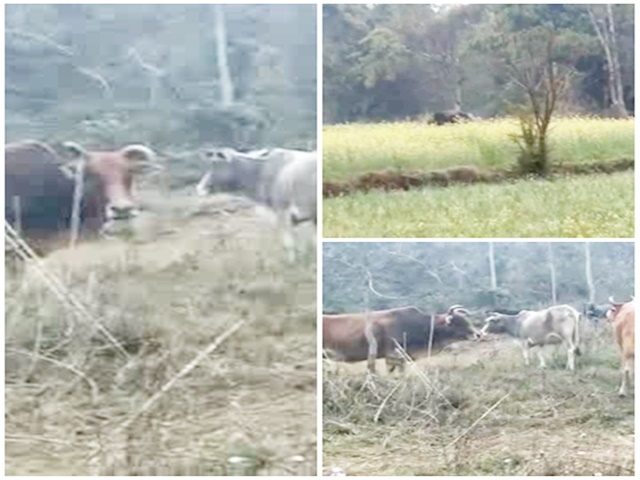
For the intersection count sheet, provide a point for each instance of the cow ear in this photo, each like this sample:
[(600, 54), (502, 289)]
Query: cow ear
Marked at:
[(448, 319)]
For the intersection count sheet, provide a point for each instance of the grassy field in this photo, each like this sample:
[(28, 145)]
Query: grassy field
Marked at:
[(585, 206), (75, 405), (354, 149), (477, 410)]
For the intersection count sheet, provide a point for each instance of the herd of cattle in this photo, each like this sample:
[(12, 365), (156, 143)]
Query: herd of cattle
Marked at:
[(407, 331), (42, 186)]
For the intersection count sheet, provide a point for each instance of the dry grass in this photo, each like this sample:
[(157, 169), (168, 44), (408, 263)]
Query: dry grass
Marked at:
[(191, 272), (476, 410)]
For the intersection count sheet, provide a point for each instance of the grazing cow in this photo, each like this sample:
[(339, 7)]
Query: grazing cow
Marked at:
[(450, 116), (39, 188), (622, 317), (366, 336), (558, 324), (284, 180)]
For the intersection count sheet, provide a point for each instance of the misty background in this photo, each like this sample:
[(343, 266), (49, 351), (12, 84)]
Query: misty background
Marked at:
[(170, 76), (435, 275)]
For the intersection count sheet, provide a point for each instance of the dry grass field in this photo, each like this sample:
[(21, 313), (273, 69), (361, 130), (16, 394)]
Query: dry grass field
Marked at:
[(475, 409), (78, 405)]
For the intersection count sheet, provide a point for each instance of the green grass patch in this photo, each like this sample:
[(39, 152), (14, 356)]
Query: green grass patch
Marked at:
[(574, 207), (353, 149)]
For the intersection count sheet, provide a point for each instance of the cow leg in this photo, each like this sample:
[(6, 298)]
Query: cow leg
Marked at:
[(289, 243), (525, 354), (393, 362), (542, 363), (626, 376), (571, 358)]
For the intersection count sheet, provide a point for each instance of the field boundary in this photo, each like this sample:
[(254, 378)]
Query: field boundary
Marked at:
[(389, 180)]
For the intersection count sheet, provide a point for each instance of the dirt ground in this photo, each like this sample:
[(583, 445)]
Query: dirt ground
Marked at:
[(192, 270), (475, 409)]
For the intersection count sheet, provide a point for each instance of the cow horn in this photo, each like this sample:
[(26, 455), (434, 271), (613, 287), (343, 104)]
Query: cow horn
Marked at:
[(613, 302), (74, 150), (452, 308), (138, 152), (218, 155)]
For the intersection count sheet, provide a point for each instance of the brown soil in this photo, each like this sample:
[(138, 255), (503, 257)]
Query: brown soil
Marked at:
[(405, 180)]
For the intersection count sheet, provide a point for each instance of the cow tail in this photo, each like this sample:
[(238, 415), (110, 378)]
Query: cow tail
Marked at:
[(576, 334)]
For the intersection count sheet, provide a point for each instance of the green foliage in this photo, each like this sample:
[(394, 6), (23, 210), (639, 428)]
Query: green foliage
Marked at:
[(384, 62), (383, 55), (533, 158)]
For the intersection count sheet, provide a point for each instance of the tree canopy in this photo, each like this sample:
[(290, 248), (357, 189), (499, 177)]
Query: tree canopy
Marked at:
[(114, 74), (385, 62)]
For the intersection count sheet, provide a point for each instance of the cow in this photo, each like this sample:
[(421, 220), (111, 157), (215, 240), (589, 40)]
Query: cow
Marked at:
[(39, 187), (622, 317), (366, 336), (505, 311), (450, 116), (557, 324), (284, 180), (595, 312)]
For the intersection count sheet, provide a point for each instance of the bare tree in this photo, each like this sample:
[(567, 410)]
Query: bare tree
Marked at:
[(605, 27), (226, 85), (529, 59), (587, 269), (154, 75), (492, 268), (552, 271)]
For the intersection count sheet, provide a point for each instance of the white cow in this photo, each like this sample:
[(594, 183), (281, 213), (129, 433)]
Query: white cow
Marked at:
[(284, 180), (558, 324)]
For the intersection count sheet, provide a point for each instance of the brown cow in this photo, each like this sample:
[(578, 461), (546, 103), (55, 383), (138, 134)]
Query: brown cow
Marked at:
[(43, 186), (366, 336), (622, 317)]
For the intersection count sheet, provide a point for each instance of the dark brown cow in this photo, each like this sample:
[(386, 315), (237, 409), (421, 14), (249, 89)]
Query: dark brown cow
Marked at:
[(347, 338), (622, 317), (44, 186), (450, 116)]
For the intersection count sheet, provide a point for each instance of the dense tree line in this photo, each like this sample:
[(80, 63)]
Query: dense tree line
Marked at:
[(436, 275), (167, 75), (385, 62)]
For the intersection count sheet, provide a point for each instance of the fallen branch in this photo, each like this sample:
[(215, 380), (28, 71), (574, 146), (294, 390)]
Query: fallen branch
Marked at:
[(493, 407), (182, 373)]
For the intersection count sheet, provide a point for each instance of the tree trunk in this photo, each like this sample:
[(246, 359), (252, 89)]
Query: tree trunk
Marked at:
[(607, 35), (492, 268), (587, 270), (552, 271), (618, 101), (226, 85)]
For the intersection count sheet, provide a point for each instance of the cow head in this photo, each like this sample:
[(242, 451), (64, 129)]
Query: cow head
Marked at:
[(614, 308), (228, 169), (456, 317), (494, 323), (109, 176)]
